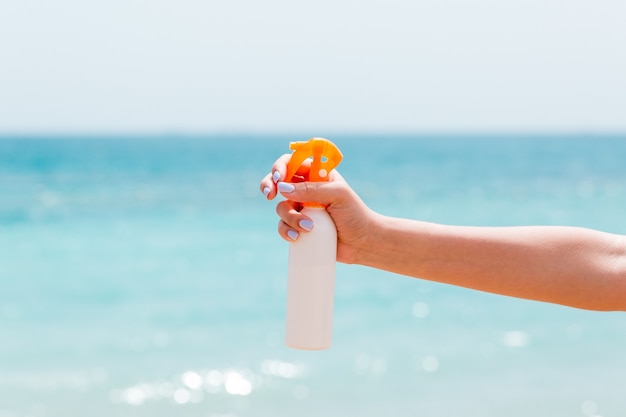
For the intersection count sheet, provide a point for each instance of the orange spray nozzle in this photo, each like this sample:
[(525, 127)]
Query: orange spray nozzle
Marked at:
[(326, 156)]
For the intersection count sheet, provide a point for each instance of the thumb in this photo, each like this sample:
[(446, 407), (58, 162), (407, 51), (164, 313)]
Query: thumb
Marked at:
[(325, 193)]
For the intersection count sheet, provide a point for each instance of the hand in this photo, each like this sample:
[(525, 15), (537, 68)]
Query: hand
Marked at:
[(353, 219)]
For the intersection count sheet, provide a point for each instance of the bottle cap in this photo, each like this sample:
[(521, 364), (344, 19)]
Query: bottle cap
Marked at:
[(326, 156)]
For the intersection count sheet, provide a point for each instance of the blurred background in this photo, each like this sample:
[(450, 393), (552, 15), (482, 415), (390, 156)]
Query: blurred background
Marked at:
[(140, 270)]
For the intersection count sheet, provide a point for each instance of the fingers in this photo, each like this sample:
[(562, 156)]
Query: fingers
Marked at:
[(325, 193), (279, 169), (292, 221), (267, 187), (278, 172), (268, 183)]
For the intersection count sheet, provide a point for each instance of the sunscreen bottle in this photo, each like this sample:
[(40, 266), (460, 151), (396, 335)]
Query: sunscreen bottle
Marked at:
[(312, 257)]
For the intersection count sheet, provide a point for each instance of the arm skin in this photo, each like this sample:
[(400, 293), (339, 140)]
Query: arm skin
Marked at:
[(571, 266), (563, 265)]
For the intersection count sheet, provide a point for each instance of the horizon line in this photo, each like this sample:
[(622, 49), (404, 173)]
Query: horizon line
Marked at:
[(322, 132)]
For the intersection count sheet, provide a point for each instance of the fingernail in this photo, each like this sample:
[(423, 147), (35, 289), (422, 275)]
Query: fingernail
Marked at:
[(306, 224), (276, 176), (293, 235), (266, 191), (285, 187)]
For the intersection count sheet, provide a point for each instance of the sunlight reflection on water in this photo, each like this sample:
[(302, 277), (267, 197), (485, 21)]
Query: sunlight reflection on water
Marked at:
[(193, 386)]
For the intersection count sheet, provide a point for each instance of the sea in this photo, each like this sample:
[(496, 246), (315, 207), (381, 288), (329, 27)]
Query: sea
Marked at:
[(144, 276)]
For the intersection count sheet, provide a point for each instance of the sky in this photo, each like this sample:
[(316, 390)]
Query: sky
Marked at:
[(190, 66)]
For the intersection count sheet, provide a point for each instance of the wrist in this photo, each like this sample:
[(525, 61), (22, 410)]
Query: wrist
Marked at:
[(396, 245), (378, 244)]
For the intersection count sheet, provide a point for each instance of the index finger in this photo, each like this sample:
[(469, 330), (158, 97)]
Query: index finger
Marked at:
[(277, 173), (279, 169)]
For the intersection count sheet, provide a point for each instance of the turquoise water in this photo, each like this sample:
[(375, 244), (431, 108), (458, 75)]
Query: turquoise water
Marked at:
[(144, 277)]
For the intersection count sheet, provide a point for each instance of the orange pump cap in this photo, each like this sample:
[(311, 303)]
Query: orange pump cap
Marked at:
[(326, 156)]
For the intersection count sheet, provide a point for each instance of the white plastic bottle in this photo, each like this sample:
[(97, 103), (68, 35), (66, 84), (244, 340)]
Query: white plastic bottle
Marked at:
[(311, 284), (313, 256)]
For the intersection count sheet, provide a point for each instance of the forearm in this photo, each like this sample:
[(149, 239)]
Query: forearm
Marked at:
[(564, 265)]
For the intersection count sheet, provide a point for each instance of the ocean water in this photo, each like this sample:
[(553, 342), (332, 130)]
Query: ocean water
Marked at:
[(143, 276)]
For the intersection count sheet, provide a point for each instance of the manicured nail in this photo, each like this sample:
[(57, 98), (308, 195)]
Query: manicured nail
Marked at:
[(285, 187), (306, 224), (276, 176), (293, 235), (266, 191)]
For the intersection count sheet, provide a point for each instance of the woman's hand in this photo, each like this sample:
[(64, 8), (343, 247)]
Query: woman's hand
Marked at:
[(353, 219)]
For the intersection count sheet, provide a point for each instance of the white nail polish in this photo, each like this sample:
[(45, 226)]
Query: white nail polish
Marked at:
[(285, 187), (306, 224)]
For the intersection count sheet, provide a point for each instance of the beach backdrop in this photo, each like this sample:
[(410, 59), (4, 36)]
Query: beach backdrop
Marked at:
[(143, 276)]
